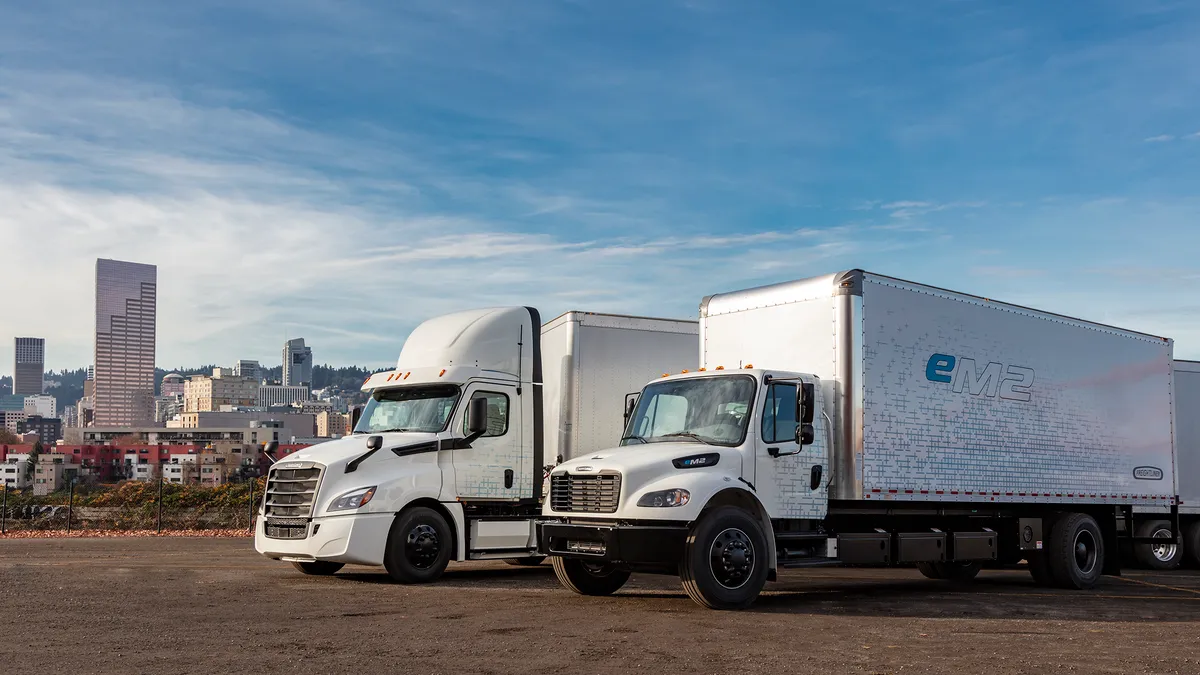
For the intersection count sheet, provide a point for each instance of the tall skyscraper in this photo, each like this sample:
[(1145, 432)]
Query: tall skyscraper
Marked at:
[(30, 365), (297, 363), (126, 310)]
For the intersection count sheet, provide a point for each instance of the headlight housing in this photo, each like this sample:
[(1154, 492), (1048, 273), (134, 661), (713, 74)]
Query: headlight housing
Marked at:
[(665, 498), (353, 500)]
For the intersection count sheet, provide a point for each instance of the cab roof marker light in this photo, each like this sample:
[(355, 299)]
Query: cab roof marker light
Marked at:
[(442, 373), (702, 370), (407, 374), (666, 374), (684, 372), (749, 366), (720, 367)]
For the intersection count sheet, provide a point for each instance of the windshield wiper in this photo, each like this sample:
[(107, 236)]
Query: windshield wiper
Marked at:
[(688, 434), (388, 431), (634, 438)]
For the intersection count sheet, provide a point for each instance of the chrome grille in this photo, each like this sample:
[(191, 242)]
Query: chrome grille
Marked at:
[(590, 493), (290, 495)]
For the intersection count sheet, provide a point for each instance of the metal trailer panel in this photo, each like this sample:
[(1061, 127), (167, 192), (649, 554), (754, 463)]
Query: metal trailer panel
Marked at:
[(1099, 406), (1187, 435), (594, 361), (966, 399)]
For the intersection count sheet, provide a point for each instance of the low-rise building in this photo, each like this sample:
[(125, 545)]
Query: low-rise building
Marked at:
[(277, 394), (48, 429), (14, 471), (50, 474), (12, 419), (42, 405), (332, 424), (203, 393)]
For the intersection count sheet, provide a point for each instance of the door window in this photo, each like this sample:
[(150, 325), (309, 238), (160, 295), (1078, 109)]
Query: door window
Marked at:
[(779, 414), (497, 415)]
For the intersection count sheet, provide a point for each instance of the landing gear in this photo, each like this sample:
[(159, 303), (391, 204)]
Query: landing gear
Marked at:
[(950, 571)]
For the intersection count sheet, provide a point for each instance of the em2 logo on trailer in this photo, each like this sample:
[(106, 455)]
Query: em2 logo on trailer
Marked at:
[(1012, 383)]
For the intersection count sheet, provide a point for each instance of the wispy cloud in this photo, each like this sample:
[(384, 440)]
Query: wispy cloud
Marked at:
[(1161, 138)]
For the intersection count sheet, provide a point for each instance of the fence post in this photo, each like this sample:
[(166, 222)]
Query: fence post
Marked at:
[(250, 510), (71, 506), (4, 512), (160, 482)]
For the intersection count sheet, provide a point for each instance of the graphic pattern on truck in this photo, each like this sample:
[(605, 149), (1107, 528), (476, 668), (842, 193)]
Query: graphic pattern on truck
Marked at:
[(966, 398)]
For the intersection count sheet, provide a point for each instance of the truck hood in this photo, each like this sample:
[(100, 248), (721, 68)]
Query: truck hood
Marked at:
[(650, 458), (337, 453)]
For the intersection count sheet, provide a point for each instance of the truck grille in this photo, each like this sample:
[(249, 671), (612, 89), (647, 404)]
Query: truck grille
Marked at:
[(591, 493), (290, 496)]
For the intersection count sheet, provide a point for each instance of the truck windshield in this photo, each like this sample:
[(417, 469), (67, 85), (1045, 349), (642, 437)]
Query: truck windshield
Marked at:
[(712, 410), (408, 409)]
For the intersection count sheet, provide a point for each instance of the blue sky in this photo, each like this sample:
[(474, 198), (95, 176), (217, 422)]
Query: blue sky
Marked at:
[(340, 171)]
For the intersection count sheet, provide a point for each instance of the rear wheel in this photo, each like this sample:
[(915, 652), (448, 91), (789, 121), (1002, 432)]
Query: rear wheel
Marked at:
[(589, 578), (724, 562), (1191, 542), (418, 547), (1076, 551), (318, 567), (1165, 556), (950, 571)]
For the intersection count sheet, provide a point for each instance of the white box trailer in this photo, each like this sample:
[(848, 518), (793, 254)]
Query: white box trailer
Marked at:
[(448, 459), (858, 419), (1157, 522)]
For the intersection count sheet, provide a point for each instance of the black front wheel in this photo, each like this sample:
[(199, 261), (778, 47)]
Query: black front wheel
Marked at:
[(419, 546), (589, 578), (321, 568), (725, 558)]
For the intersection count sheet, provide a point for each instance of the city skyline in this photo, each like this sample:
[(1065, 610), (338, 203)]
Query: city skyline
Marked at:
[(344, 174)]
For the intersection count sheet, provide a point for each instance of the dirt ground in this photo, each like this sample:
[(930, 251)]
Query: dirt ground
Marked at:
[(213, 605)]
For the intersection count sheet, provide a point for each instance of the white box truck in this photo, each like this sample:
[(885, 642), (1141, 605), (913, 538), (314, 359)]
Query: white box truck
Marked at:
[(1156, 522), (859, 419), (448, 459)]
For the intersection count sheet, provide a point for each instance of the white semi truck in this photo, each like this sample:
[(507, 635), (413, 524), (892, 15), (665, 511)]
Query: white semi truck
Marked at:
[(858, 419), (1156, 522), (448, 459)]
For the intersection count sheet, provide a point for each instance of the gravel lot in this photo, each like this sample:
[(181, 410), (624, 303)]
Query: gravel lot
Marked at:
[(212, 605)]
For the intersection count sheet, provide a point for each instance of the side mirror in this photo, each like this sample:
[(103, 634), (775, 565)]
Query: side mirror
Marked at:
[(355, 416), (630, 406), (477, 417), (374, 442), (806, 403)]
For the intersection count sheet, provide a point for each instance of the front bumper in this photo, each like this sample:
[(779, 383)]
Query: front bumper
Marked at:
[(659, 544), (358, 539)]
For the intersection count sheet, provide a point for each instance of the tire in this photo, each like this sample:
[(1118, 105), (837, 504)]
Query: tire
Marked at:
[(532, 561), (1075, 551), (418, 546), (950, 571), (725, 562), (1191, 543), (588, 579), (1157, 556), (321, 568)]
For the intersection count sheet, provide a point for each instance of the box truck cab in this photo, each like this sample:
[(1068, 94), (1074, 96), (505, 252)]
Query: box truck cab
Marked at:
[(448, 458), (858, 419)]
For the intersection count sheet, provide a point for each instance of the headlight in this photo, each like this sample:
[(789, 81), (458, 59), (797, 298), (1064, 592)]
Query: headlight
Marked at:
[(353, 500), (677, 497)]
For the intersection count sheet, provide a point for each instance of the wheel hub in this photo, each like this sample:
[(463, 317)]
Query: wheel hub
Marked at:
[(422, 546), (731, 558), (1085, 551), (1163, 552)]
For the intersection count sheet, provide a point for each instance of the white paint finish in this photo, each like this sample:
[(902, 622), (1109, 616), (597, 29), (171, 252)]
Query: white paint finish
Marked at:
[(1187, 434), (1099, 405)]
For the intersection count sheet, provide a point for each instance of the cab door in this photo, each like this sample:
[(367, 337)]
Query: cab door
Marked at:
[(490, 466), (791, 479)]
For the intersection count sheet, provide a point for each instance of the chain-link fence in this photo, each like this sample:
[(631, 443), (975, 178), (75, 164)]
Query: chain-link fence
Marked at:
[(134, 506)]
